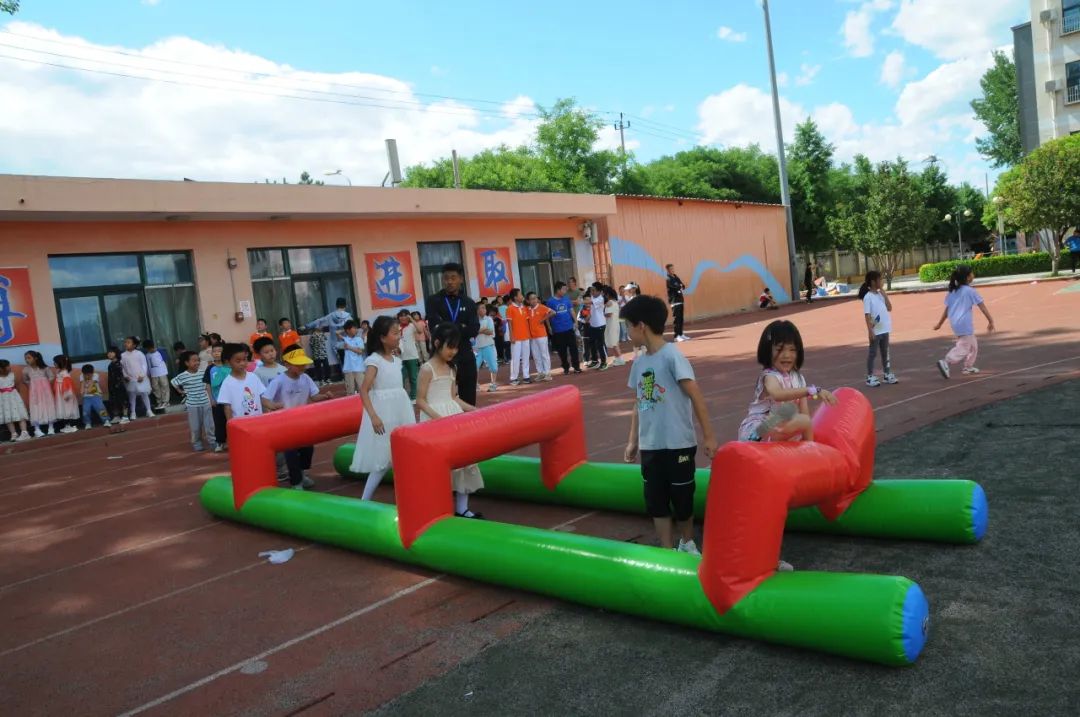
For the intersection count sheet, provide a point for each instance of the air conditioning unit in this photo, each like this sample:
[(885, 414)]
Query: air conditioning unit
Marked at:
[(1054, 86), (1046, 17)]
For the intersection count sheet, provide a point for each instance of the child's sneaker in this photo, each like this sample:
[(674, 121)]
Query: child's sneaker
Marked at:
[(604, 367), (123, 420), (784, 567), (526, 381), (107, 423), (493, 387), (38, 433), (219, 448), (24, 436), (618, 362), (69, 429), (891, 378), (52, 431), (872, 380), (943, 367), (688, 547), (971, 371), (87, 427), (515, 382), (306, 481)]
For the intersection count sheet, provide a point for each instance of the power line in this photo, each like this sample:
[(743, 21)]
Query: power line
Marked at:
[(661, 126)]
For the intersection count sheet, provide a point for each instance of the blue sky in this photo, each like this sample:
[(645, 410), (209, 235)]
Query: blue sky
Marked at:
[(881, 76)]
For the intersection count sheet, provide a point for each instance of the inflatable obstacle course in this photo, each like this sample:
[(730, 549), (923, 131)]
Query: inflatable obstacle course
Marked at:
[(748, 496)]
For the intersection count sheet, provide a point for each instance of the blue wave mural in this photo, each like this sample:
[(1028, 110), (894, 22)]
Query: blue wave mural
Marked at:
[(627, 253)]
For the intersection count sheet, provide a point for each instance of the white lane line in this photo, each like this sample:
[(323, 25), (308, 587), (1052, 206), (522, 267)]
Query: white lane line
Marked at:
[(35, 536), (306, 636), (969, 382), (132, 549), (83, 496), (137, 606), (283, 646)]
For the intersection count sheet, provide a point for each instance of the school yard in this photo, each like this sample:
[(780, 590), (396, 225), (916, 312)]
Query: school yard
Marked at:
[(120, 595)]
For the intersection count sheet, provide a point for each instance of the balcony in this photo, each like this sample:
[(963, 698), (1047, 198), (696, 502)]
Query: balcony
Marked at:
[(1070, 20)]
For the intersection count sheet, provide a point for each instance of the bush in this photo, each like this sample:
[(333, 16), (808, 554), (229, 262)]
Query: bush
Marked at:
[(992, 266)]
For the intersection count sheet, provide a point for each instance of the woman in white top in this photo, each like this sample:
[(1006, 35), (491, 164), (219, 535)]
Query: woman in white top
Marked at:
[(876, 308)]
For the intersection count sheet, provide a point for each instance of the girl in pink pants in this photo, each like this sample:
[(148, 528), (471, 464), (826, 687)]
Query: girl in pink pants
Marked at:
[(960, 303)]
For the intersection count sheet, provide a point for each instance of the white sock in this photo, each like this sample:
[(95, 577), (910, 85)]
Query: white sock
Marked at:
[(461, 503), (373, 480)]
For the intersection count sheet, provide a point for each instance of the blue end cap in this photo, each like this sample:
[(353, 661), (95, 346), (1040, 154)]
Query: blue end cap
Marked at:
[(980, 512), (916, 622)]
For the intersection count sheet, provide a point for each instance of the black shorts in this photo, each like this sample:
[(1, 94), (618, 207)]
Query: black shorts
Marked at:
[(669, 482)]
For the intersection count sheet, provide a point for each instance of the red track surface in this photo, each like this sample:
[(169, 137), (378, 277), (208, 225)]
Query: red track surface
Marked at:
[(120, 594)]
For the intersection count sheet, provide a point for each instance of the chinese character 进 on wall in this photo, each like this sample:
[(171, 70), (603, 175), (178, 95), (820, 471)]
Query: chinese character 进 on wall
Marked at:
[(18, 325), (493, 268), (390, 279)]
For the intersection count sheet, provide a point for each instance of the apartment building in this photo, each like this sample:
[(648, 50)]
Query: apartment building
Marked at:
[(1047, 51)]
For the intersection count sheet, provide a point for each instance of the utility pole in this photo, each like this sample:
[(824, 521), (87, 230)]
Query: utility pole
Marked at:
[(622, 137), (785, 195)]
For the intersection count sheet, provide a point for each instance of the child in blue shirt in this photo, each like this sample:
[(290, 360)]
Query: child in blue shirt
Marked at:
[(353, 368)]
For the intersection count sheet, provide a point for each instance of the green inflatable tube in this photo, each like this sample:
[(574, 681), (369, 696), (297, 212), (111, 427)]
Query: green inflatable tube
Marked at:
[(869, 617), (949, 511)]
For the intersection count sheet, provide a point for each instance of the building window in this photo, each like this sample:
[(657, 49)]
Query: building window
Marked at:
[(1070, 16), (301, 284), (432, 257), (1072, 82), (542, 262), (103, 298)]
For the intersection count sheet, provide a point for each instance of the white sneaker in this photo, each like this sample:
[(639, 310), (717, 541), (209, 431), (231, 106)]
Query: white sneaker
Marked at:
[(891, 378), (680, 339), (971, 371), (24, 436), (784, 567), (306, 481), (123, 420), (688, 547), (493, 387), (943, 367), (618, 362), (69, 429), (130, 419), (38, 433), (52, 431), (872, 380)]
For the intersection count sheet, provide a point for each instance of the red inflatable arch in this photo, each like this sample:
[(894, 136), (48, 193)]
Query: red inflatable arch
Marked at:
[(425, 453)]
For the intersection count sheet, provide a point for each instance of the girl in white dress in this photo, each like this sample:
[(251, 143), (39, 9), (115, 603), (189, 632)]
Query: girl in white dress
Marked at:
[(386, 404), (12, 408), (437, 397)]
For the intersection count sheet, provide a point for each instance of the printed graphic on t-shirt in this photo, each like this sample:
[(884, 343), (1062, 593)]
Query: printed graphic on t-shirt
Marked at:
[(650, 393), (249, 401)]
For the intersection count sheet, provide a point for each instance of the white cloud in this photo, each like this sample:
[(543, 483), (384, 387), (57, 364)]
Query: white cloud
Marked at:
[(946, 90), (728, 35), (807, 73), (783, 79), (609, 139), (234, 125), (893, 69), (957, 28), (743, 115), (858, 37)]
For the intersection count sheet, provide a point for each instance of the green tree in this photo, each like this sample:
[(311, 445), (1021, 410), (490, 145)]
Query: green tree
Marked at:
[(940, 197), (9, 6), (889, 218), (811, 163), (744, 173), (565, 142), (999, 110), (306, 178), (1043, 191)]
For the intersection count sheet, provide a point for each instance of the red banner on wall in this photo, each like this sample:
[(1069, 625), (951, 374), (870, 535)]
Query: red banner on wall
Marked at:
[(390, 279), (493, 266), (18, 324)]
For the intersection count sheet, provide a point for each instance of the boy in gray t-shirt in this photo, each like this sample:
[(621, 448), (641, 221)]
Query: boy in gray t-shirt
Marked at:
[(666, 397)]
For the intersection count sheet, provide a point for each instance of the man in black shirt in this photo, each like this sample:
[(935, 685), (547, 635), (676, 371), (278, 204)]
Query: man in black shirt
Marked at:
[(675, 288), (453, 306)]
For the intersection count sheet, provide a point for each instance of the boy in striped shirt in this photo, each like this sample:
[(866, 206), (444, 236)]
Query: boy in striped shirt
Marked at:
[(189, 384)]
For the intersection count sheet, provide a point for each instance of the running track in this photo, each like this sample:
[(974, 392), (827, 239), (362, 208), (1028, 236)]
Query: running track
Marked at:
[(120, 595)]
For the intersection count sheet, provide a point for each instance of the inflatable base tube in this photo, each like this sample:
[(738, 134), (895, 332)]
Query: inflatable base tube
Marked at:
[(948, 511), (877, 618)]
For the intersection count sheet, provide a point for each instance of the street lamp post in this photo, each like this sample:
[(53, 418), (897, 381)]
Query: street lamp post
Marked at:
[(999, 205), (338, 173), (959, 232)]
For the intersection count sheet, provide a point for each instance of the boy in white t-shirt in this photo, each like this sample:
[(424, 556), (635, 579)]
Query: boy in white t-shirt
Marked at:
[(876, 308), (242, 393)]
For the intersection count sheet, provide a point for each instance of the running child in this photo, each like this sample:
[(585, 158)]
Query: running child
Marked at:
[(517, 316), (386, 404), (876, 308), (67, 403), (292, 389), (189, 384), (38, 377), (780, 353), (242, 393), (92, 404), (959, 302), (437, 397), (12, 408), (539, 318), (136, 377), (485, 347), (666, 400)]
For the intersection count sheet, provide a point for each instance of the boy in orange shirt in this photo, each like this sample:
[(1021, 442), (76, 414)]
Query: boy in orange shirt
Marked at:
[(286, 335), (517, 315), (539, 316), (260, 332)]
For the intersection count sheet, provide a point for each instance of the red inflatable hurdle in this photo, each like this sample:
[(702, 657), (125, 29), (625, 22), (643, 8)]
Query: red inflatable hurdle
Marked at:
[(424, 454), (254, 440), (753, 485)]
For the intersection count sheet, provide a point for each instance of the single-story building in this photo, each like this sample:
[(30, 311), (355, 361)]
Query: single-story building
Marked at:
[(86, 262)]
